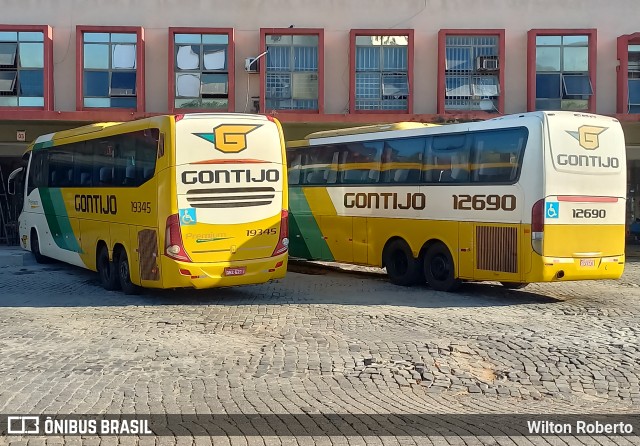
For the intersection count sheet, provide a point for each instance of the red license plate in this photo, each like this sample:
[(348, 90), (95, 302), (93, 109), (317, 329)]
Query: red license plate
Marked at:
[(238, 271), (587, 262)]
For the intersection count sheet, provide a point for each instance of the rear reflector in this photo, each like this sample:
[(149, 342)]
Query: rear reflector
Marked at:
[(283, 241), (173, 246)]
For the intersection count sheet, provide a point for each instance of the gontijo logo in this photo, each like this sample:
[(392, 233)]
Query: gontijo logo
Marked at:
[(587, 136), (229, 138)]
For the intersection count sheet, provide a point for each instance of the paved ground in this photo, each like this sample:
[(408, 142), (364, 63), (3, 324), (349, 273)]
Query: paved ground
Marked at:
[(319, 341)]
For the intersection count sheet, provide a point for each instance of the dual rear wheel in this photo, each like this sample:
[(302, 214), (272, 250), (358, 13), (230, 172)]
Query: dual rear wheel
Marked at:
[(116, 274)]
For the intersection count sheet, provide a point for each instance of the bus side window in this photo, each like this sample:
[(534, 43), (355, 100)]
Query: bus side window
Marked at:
[(497, 155), (361, 164), (402, 160), (294, 170), (451, 158), (38, 171)]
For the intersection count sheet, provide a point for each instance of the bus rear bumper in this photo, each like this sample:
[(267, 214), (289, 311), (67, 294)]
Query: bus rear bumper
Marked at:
[(555, 269), (222, 274)]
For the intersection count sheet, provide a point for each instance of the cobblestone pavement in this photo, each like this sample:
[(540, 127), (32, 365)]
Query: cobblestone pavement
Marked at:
[(318, 341)]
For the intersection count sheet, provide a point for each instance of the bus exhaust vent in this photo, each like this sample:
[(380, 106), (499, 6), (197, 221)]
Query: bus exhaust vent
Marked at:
[(148, 251), (234, 197), (497, 248)]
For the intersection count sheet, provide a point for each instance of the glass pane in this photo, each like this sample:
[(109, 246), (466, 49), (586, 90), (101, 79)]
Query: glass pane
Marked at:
[(485, 86), (124, 102), (548, 86), (96, 56), (214, 84), (124, 38), (457, 86), (367, 40), (96, 37), (575, 104), (7, 81), (32, 55), (394, 86), (634, 48), (188, 57), (634, 91), (395, 40), (8, 36), (402, 160), (278, 86), (278, 58), (215, 104), (368, 86), (31, 83), (124, 56), (97, 102), (31, 102), (576, 59), (32, 36), (188, 85), (218, 39), (548, 59), (451, 158), (548, 40), (632, 108), (367, 59), (276, 39), (8, 101), (187, 103), (188, 38), (305, 86), (215, 57), (577, 85), (575, 40), (96, 83), (459, 58), (8, 54), (497, 155), (305, 40), (123, 83), (394, 58), (305, 58), (548, 104)]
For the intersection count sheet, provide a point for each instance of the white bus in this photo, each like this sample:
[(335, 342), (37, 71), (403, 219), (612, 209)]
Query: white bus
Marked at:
[(533, 197)]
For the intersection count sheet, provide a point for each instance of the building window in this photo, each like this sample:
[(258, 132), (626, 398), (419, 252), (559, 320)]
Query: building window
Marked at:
[(22, 69), (633, 79), (202, 70), (381, 71), (293, 67), (111, 75), (563, 79), (470, 70)]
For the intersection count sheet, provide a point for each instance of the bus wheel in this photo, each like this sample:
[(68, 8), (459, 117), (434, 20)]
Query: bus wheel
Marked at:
[(402, 267), (439, 269), (35, 248), (124, 275), (513, 285), (107, 270)]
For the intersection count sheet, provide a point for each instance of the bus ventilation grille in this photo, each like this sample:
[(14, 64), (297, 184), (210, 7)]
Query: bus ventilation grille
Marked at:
[(231, 197), (148, 250), (497, 248)]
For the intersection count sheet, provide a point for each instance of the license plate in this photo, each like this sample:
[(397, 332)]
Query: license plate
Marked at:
[(587, 262), (239, 271)]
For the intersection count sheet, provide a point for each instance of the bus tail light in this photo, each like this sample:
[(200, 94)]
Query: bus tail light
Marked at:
[(283, 241), (537, 226), (173, 246)]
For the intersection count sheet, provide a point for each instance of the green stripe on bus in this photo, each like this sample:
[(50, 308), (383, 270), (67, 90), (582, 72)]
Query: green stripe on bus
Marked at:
[(43, 145), (58, 219), (306, 238)]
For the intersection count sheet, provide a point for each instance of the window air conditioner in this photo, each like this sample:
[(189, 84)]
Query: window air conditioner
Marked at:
[(487, 63), (251, 65)]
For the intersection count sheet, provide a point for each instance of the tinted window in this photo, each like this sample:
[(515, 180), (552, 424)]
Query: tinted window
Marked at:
[(402, 160), (448, 159), (497, 155), (295, 164), (38, 171), (320, 165), (360, 162)]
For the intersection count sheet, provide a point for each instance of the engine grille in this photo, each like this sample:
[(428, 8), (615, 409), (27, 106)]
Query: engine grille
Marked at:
[(497, 248), (234, 197), (148, 251)]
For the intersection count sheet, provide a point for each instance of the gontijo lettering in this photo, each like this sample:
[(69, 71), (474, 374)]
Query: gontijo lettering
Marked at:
[(96, 204)]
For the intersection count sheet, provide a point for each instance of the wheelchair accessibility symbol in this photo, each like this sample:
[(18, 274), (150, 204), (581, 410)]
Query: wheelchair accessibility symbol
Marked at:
[(188, 217), (553, 209)]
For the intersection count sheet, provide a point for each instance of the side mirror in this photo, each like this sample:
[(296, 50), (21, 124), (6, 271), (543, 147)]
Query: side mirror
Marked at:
[(11, 182)]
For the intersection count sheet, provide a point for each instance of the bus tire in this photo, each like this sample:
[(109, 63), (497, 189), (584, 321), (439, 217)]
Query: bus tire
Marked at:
[(402, 268), (439, 269), (124, 275), (107, 270), (513, 285), (35, 248)]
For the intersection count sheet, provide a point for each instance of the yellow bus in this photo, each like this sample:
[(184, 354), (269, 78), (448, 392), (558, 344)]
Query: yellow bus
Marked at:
[(194, 200), (534, 197)]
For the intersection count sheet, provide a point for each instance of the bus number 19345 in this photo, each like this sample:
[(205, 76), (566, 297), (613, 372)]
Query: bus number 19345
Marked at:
[(484, 202)]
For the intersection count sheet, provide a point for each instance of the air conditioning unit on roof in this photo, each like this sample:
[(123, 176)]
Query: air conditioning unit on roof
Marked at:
[(487, 63)]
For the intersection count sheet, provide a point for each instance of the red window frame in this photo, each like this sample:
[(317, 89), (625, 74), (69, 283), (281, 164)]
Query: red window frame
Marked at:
[(442, 59), (140, 92), (263, 66), (352, 67), (531, 60), (47, 32), (230, 66), (623, 70)]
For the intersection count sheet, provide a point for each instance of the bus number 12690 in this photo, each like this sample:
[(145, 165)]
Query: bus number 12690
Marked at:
[(484, 202)]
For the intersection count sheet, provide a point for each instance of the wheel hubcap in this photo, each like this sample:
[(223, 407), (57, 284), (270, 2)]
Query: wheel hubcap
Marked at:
[(439, 268)]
